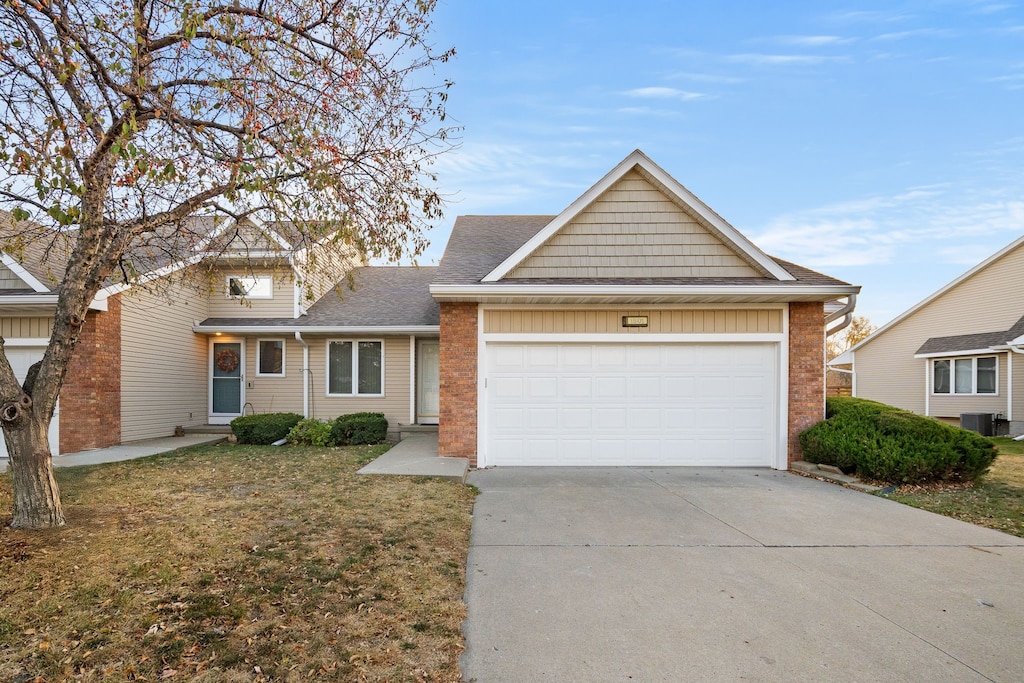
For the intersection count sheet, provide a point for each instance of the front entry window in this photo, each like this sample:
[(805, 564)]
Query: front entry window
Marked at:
[(355, 368)]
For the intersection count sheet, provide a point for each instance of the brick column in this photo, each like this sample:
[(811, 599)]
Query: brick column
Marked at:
[(806, 370), (90, 400), (457, 428)]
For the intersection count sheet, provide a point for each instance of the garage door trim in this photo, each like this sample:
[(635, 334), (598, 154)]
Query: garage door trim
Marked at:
[(779, 340)]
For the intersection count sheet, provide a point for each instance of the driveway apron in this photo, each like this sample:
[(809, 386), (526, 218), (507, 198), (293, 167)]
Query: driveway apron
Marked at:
[(700, 574)]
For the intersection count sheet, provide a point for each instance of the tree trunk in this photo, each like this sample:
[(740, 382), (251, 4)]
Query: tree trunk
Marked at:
[(36, 498)]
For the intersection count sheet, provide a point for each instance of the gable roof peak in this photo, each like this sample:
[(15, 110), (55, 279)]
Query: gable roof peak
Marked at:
[(669, 186)]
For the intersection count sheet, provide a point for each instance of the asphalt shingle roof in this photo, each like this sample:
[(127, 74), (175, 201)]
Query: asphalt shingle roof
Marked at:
[(971, 342), (478, 244), (380, 296)]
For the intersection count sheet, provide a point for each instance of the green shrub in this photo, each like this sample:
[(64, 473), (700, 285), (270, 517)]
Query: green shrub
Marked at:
[(263, 429), (881, 442), (311, 432), (357, 428)]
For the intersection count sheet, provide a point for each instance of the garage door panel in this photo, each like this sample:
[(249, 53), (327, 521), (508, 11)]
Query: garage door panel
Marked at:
[(631, 404)]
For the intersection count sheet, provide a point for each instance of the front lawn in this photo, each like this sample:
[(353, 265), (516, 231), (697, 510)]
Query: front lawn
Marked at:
[(997, 501), (238, 563)]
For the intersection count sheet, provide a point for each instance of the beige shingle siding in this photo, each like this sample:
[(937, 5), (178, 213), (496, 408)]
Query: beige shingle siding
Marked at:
[(164, 365), (26, 328), (699, 321), (282, 305), (275, 394), (634, 230), (395, 402), (986, 302), (8, 280)]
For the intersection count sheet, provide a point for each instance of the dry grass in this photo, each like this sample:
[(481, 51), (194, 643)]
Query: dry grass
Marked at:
[(235, 563), (997, 501)]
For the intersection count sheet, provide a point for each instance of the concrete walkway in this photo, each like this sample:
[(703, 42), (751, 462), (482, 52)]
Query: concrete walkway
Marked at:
[(129, 451), (698, 574), (416, 456)]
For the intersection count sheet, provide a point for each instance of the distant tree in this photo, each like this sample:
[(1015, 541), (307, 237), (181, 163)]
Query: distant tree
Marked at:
[(120, 120), (860, 328)]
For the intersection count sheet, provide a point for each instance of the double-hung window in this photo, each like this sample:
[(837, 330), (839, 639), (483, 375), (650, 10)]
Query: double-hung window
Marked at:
[(270, 358), (355, 368), (965, 375)]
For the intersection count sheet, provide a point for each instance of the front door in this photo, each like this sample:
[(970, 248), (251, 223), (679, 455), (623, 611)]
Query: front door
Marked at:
[(429, 380), (227, 360)]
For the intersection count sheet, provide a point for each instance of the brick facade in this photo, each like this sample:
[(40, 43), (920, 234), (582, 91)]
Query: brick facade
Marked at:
[(90, 400), (458, 423), (806, 370)]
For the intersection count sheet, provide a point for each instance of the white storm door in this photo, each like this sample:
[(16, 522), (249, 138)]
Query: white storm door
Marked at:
[(631, 404), (227, 389), (21, 359), (428, 381)]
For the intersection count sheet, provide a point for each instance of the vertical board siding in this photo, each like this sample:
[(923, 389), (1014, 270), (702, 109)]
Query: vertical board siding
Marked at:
[(274, 394), (886, 368), (26, 328), (281, 306), (634, 230), (729, 321), (395, 402), (8, 280), (164, 365)]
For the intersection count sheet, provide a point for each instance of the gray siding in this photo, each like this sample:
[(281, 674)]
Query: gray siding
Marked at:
[(164, 365), (634, 230), (8, 280), (986, 302)]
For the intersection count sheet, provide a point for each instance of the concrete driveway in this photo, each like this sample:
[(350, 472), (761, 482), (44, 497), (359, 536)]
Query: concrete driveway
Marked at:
[(692, 574)]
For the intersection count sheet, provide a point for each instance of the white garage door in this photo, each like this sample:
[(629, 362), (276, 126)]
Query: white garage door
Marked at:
[(631, 404), (21, 358)]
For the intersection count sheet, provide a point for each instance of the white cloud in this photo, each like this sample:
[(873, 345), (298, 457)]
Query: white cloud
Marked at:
[(775, 60), (914, 33), (706, 78), (813, 41), (662, 93)]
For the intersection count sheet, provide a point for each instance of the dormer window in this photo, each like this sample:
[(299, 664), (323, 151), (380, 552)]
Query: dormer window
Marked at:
[(250, 286)]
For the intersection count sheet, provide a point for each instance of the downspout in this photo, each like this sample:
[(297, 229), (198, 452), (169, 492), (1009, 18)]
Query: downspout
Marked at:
[(305, 373), (846, 313)]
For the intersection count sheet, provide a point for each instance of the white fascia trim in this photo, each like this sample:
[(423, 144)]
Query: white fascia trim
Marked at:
[(307, 329), (844, 358), (784, 292), (41, 299), (956, 354), (19, 270), (628, 338), (939, 292), (638, 158)]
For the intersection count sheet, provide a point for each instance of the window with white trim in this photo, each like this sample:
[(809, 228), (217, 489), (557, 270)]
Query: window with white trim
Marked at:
[(250, 286), (270, 358), (355, 368), (965, 375)]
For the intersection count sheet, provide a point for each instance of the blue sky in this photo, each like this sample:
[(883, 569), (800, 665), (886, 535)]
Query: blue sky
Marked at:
[(881, 143)]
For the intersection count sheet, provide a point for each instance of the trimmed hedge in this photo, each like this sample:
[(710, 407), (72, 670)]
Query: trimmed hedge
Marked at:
[(885, 443), (265, 428), (311, 432), (357, 428)]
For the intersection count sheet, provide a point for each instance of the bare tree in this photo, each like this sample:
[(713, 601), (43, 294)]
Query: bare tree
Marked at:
[(121, 120), (860, 329)]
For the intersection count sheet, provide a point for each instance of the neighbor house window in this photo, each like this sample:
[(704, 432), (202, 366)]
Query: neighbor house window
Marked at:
[(250, 286), (270, 357), (965, 375), (355, 368)]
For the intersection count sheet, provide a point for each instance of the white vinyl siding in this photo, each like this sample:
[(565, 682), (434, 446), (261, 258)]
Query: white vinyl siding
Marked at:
[(164, 365)]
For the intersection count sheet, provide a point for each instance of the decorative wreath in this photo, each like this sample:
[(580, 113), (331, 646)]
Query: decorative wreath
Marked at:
[(227, 360)]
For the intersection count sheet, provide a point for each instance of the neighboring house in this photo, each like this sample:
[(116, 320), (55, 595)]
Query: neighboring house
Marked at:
[(637, 327), (955, 352)]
